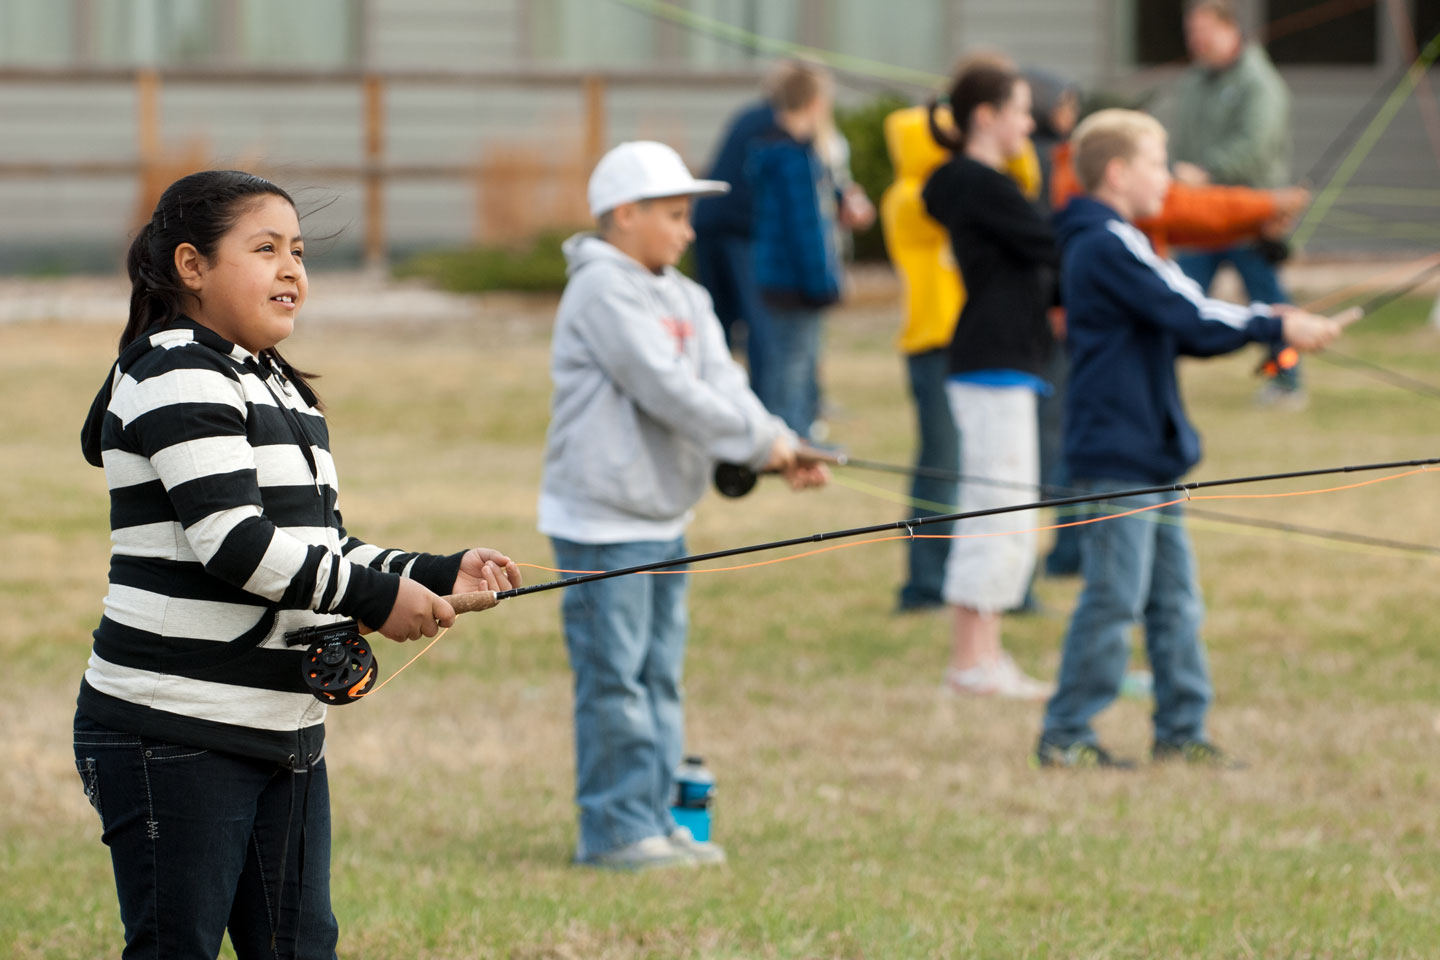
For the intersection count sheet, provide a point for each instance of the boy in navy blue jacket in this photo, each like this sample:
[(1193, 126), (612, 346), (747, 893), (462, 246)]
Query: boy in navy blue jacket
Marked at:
[(796, 255), (1130, 315)]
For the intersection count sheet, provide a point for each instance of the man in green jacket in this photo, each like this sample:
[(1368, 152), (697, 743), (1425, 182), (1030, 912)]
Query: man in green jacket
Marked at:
[(1232, 126)]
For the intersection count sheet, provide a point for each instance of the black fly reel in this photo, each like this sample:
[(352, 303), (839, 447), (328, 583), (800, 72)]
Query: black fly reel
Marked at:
[(734, 479), (338, 666)]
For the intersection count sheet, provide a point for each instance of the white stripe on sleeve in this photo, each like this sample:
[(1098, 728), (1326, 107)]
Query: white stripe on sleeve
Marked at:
[(1230, 314), (202, 457)]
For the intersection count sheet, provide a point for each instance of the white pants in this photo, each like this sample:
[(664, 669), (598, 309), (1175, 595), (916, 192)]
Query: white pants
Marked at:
[(998, 441)]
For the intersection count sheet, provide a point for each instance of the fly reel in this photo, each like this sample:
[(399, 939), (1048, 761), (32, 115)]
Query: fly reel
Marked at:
[(734, 479), (338, 666)]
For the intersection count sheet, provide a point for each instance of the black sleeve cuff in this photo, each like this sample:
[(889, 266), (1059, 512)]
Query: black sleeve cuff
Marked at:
[(437, 573), (369, 596)]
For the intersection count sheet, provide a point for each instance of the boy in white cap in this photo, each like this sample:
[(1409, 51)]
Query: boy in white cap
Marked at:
[(647, 399)]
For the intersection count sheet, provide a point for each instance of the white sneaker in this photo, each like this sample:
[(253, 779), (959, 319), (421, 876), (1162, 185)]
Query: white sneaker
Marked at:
[(703, 852), (641, 855), (981, 680), (1016, 684)]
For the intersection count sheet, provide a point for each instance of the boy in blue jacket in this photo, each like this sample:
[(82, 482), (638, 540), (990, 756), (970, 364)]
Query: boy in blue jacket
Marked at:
[(1131, 314), (796, 253)]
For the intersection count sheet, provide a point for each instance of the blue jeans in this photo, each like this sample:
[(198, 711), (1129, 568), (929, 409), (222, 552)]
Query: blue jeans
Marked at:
[(199, 839), (626, 640), (725, 266), (792, 390), (1262, 284), (939, 450), (1064, 556), (1135, 570)]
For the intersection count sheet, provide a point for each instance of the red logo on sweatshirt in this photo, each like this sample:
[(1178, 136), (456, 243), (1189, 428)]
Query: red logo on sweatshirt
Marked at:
[(681, 330)]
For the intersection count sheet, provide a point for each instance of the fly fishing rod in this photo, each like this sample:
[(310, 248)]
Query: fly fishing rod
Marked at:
[(483, 600), (339, 665), (1392, 377), (735, 480)]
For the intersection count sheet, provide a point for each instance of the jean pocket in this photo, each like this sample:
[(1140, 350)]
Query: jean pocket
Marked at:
[(90, 780), (157, 752)]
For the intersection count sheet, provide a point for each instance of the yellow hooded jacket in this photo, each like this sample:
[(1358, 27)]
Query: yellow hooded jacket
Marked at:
[(919, 247)]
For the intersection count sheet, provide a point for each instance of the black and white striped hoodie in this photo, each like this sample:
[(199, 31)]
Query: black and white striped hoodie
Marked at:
[(226, 534)]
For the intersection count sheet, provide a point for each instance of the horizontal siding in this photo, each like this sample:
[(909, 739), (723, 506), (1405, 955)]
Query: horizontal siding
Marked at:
[(66, 122), (530, 137), (457, 125), (288, 124), (533, 135)]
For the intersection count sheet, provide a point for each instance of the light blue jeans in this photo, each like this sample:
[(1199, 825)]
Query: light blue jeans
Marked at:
[(626, 640), (790, 387), (1136, 570)]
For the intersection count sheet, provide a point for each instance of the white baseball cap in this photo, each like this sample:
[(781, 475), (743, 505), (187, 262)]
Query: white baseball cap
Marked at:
[(644, 170)]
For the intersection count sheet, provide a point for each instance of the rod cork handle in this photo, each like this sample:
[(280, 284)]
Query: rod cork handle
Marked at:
[(471, 602)]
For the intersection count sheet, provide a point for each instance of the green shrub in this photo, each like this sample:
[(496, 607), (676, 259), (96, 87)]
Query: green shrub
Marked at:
[(539, 267)]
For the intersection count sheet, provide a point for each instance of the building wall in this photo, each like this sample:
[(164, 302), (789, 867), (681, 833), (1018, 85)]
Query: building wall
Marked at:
[(528, 136)]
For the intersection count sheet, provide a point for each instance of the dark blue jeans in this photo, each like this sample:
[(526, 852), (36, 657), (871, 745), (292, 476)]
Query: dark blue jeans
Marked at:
[(725, 266), (626, 640), (199, 839), (939, 450), (1137, 569), (1064, 556), (1262, 284)]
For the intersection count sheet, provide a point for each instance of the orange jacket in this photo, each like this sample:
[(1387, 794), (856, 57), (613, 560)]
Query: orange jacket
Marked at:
[(1210, 216)]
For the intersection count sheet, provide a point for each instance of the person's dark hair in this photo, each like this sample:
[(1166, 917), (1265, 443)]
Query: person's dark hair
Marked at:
[(197, 209), (983, 81)]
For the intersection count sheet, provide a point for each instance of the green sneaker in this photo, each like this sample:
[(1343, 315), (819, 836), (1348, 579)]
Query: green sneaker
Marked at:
[(1077, 755), (1198, 752)]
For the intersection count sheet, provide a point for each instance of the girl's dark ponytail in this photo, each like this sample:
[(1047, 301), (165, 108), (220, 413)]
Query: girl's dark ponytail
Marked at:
[(137, 262), (156, 295), (950, 136)]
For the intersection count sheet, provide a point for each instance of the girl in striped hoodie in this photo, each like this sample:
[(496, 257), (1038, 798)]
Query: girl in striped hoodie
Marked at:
[(195, 737)]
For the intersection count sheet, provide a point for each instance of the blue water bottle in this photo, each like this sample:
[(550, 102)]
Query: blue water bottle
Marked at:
[(694, 793)]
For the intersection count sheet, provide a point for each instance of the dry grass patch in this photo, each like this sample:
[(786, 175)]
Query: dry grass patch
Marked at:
[(866, 815)]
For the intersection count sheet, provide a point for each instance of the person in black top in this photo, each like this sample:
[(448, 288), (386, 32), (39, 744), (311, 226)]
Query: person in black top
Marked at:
[(997, 362), (197, 741)]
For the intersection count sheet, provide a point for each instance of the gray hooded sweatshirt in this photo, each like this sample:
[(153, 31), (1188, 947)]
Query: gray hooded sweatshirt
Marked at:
[(647, 399)]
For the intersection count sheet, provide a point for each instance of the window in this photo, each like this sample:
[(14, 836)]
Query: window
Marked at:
[(154, 33), (587, 33), (1427, 22), (36, 32), (168, 33), (1302, 32), (780, 20), (312, 34), (1159, 32), (1295, 32)]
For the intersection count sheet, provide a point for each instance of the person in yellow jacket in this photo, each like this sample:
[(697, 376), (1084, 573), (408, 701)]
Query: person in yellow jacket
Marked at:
[(933, 294)]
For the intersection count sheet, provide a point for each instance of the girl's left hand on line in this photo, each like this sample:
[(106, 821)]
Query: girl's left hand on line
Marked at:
[(484, 569)]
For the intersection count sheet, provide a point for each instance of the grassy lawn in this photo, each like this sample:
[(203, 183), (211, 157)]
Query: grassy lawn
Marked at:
[(866, 815)]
